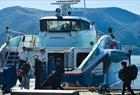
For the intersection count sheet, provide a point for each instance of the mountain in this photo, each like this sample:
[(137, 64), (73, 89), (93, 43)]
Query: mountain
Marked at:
[(125, 24), (21, 19)]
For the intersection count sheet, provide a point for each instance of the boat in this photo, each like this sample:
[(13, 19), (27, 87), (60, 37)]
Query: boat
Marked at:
[(90, 57)]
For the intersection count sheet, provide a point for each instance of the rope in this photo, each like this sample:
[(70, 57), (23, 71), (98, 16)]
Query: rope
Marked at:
[(115, 83)]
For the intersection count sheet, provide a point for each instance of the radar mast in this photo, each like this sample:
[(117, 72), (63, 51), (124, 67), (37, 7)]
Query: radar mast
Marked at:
[(65, 5)]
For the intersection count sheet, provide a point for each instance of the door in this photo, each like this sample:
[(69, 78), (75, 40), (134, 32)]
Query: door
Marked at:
[(52, 61)]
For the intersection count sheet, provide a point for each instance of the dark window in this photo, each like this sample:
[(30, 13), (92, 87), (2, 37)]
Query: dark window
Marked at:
[(52, 61), (43, 25), (81, 57)]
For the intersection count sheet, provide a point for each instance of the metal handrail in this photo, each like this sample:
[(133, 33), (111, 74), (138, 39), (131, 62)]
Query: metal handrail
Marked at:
[(17, 49), (7, 57)]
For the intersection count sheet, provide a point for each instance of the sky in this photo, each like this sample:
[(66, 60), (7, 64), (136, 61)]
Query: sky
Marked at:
[(130, 5)]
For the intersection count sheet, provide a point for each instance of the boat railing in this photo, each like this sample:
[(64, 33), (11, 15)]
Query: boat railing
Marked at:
[(13, 47), (17, 50), (70, 49), (69, 60), (18, 42), (1, 53), (8, 47), (7, 57)]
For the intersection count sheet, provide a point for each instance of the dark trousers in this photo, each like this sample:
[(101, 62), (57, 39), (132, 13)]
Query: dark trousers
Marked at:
[(128, 85), (37, 81)]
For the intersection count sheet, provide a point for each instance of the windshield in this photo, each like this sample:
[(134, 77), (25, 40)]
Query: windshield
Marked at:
[(63, 25), (58, 25)]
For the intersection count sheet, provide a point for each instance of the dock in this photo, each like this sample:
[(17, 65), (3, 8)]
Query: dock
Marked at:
[(68, 91), (45, 92), (64, 92)]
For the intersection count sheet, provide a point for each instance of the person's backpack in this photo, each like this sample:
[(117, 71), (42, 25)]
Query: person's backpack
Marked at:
[(133, 71), (26, 68), (121, 75)]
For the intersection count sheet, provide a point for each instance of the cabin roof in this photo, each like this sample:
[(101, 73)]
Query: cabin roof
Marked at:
[(66, 17)]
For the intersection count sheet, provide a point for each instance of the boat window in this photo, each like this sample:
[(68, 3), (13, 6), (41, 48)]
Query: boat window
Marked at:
[(58, 26), (64, 25), (80, 25), (109, 43), (43, 25), (105, 43)]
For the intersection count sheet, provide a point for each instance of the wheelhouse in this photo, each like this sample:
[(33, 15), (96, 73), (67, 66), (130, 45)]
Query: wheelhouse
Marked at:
[(64, 24)]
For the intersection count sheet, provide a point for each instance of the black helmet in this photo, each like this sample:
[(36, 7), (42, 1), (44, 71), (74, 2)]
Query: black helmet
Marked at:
[(58, 10), (42, 49), (124, 63)]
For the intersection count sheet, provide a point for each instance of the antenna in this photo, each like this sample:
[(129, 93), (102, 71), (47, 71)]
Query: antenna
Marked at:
[(84, 3)]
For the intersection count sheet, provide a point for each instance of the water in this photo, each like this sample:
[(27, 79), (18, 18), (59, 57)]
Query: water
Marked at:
[(135, 59)]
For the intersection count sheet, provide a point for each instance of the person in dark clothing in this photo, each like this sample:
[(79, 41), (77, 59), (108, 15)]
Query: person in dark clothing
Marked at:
[(23, 57), (37, 73), (54, 80), (59, 72), (124, 76), (26, 67)]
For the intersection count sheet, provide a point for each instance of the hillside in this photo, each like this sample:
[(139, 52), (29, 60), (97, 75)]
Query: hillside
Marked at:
[(124, 23)]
